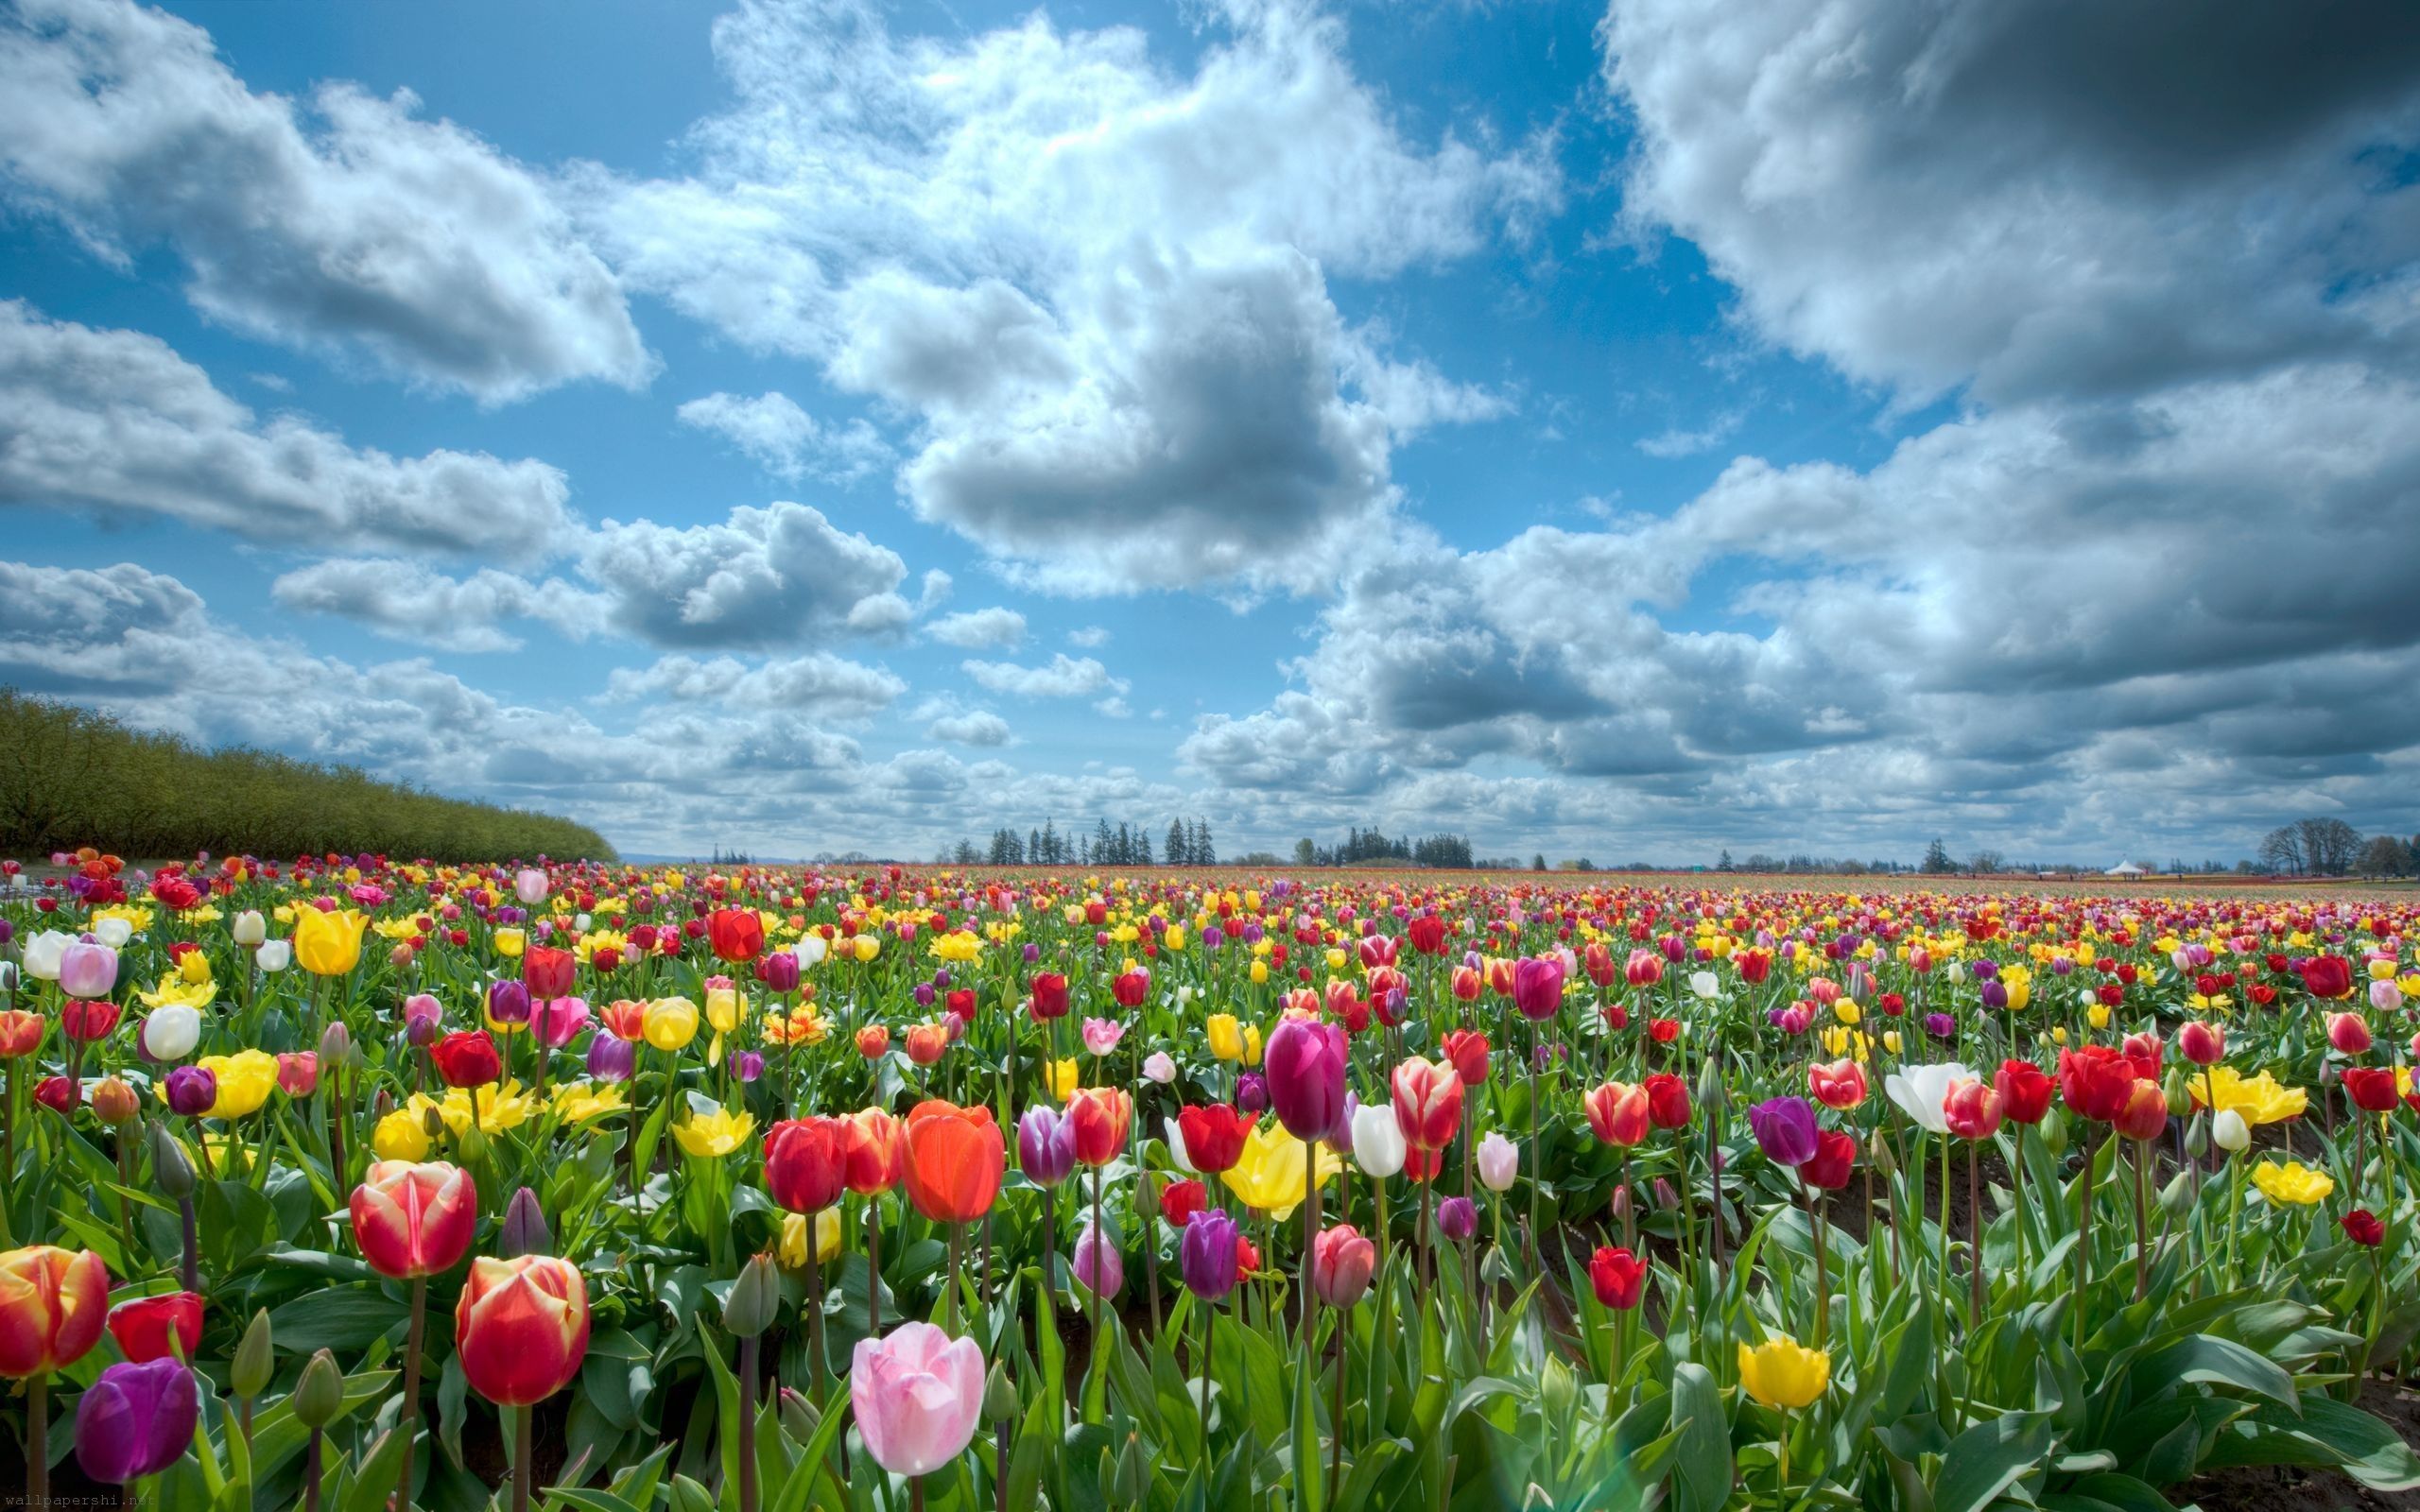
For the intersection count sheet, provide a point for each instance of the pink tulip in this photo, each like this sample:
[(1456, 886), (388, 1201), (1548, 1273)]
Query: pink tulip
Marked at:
[(917, 1393), (557, 1022), (298, 1072)]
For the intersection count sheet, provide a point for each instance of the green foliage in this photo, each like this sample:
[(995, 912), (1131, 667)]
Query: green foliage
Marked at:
[(70, 777)]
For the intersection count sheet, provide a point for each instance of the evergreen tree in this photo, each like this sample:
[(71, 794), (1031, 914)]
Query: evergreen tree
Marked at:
[(1176, 853), (1937, 862)]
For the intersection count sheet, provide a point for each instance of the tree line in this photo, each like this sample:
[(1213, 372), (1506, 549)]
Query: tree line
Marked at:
[(71, 777), (1362, 846), (1187, 843)]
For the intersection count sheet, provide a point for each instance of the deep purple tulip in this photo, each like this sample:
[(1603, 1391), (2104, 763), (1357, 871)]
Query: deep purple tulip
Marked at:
[(1252, 1094), (1995, 994), (1207, 1254), (1457, 1219), (191, 1091), (1941, 1025), (1304, 1064), (1537, 987), (781, 971), (509, 1002), (136, 1420), (1785, 1129), (746, 1065), (611, 1059), (1045, 1145)]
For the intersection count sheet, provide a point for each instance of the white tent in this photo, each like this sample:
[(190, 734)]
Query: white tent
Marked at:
[(2125, 868)]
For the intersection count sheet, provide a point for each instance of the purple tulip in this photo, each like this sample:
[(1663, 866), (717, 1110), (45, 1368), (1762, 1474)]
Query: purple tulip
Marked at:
[(1032, 954), (1995, 994), (1941, 1025), (1251, 1093), (191, 1091), (1784, 1131), (612, 1059), (746, 1065), (1206, 1254), (1537, 987), (781, 971), (136, 1420), (509, 1002), (1457, 1219), (1045, 1145), (1097, 1264), (1304, 1064)]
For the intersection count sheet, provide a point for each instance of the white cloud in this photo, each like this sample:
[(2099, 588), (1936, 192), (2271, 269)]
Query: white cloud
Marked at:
[(411, 240), (406, 600), (979, 629), (818, 682), (1089, 637), (763, 577), (775, 434), (979, 726), (116, 422), (1066, 677), (1676, 442), (1098, 289)]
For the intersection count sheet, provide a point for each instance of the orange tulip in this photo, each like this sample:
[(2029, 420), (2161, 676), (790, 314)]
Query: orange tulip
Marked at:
[(53, 1303), (955, 1158), (1102, 1116), (522, 1328), (876, 1147), (414, 1220), (20, 1033), (1617, 1113)]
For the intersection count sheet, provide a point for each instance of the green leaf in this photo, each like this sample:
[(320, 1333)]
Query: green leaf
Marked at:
[(1702, 1465), (1989, 1459), (344, 1318), (2209, 1359)]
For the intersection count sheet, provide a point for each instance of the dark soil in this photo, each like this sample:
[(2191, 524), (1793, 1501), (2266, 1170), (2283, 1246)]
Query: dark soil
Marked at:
[(2262, 1488)]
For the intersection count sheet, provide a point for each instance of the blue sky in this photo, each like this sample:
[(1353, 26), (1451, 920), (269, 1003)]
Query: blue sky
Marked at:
[(1633, 432)]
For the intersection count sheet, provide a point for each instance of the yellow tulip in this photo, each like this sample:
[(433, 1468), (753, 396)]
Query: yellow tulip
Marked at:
[(509, 943), (576, 1102), (1846, 1011), (1174, 939), (244, 1080), (1784, 1373), (2019, 983), (1226, 1037), (328, 944), (195, 969), (866, 947), (2292, 1183), (2097, 1015), (1268, 1176), (400, 1135), (1061, 1077), (709, 1136), (174, 990), (1891, 1040), (1259, 973), (792, 1252), (669, 1023)]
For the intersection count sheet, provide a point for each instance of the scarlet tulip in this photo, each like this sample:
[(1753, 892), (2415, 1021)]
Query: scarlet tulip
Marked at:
[(546, 972), (1617, 1277), (2326, 976), (414, 1220), (2145, 1114), (1467, 1050), (2025, 1092), (521, 1330), (806, 1163), (736, 933), (955, 1157), (145, 1327), (1049, 996), (2096, 1082), (1835, 1157), (2371, 1087), (467, 1058), (1214, 1136), (1668, 1101)]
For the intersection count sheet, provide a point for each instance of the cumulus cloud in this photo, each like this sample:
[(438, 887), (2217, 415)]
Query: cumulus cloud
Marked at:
[(2047, 198), (116, 422), (979, 629), (762, 577), (408, 601), (353, 224), (1098, 287), (1064, 677), (775, 434), (818, 682), (974, 726)]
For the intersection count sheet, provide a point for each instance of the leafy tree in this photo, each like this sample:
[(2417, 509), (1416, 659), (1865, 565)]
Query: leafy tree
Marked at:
[(1937, 862)]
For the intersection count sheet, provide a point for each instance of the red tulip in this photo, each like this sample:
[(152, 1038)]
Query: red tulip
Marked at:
[(414, 1220), (1835, 1158), (2025, 1092), (1102, 1117), (2096, 1082), (2204, 1044), (1214, 1136), (736, 933), (955, 1157), (2371, 1087), (1130, 988), (156, 1327), (1838, 1085), (1972, 1109), (521, 1330), (467, 1058), (52, 1305), (806, 1163), (1050, 996), (1618, 1277), (1427, 934), (2145, 1114), (1668, 1101), (1180, 1200), (2326, 976), (876, 1147), (2361, 1225), (1467, 1050), (546, 970), (1617, 1113)]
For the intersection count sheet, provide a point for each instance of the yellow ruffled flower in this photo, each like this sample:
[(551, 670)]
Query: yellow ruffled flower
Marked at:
[(2292, 1183), (803, 1027), (792, 1250), (1850, 1042), (576, 1102), (245, 1079), (194, 970), (2260, 1099), (400, 1135), (589, 944), (1784, 1373), (138, 918), (329, 944), (174, 990), (1268, 1176), (502, 1107), (710, 1136)]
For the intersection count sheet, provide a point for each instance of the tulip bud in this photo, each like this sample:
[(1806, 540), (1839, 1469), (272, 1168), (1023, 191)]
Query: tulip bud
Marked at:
[(799, 1416), (1877, 1154), (2176, 1198), (525, 1231), (334, 1045), (1132, 1476), (2230, 1132), (2180, 1099), (113, 1101), (1558, 1391), (319, 1397), (2197, 1136), (1000, 1401), (255, 1359), (756, 1299), (689, 1496), (1494, 1267), (170, 1170), (2053, 1129), (250, 928)]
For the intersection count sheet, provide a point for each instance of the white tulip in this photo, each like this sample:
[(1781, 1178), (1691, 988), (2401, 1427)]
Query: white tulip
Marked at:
[(1177, 1152), (1704, 985), (250, 928), (42, 952), (1920, 1091), (275, 956), (809, 949), (1159, 1067), (114, 931), (2229, 1132), (170, 1033), (1378, 1144)]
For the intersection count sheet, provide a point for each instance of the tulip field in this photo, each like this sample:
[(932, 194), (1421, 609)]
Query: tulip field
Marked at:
[(348, 1182)]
